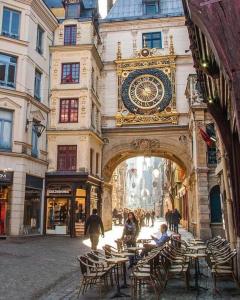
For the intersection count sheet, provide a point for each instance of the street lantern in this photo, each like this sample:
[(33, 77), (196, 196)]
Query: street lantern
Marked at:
[(39, 128)]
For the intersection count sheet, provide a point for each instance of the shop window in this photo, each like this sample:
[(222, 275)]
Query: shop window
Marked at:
[(4, 191), (67, 158), (70, 34), (34, 141), (70, 73), (11, 23), (91, 160), (8, 65), (6, 120), (68, 111), (37, 85), (152, 40), (58, 212), (215, 205), (40, 35), (32, 211)]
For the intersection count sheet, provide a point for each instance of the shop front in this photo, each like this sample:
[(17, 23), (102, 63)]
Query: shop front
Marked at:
[(33, 208), (69, 201), (6, 181)]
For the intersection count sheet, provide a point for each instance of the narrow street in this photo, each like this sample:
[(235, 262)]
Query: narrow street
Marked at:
[(49, 270)]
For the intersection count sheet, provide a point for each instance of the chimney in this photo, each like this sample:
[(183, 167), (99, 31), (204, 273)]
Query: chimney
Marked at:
[(109, 5)]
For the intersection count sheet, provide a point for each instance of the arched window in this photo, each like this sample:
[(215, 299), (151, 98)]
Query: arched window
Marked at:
[(215, 205)]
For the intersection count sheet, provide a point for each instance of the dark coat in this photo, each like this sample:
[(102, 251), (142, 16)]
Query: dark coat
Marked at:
[(176, 217), (94, 224)]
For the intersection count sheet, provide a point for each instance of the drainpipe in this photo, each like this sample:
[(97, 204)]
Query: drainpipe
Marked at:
[(231, 230)]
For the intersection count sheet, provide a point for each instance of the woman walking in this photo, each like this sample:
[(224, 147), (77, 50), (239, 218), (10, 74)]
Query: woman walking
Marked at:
[(130, 233)]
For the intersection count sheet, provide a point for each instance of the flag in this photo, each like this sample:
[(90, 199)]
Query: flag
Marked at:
[(206, 137)]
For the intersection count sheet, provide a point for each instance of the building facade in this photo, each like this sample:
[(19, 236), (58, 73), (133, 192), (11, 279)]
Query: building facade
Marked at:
[(73, 180), (26, 34)]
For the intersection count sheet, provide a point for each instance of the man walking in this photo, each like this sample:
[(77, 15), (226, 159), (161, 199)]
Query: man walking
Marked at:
[(176, 217), (93, 226)]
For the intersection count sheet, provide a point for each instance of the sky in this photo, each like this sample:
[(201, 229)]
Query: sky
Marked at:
[(103, 7)]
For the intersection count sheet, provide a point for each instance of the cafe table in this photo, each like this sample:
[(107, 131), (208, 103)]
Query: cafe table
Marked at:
[(196, 257), (119, 261)]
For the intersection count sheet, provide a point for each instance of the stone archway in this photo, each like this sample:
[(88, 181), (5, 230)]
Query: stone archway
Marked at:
[(171, 142)]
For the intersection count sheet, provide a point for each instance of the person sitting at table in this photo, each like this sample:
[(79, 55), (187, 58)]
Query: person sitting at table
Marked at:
[(159, 241)]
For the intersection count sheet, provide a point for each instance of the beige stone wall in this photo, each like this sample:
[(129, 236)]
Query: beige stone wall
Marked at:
[(22, 103)]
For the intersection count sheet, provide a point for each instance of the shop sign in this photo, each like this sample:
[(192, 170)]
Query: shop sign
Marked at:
[(59, 192), (6, 177)]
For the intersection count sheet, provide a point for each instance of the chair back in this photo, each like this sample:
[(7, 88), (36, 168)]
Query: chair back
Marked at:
[(82, 262)]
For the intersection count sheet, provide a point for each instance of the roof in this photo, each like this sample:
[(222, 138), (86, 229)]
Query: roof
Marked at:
[(53, 3), (134, 9)]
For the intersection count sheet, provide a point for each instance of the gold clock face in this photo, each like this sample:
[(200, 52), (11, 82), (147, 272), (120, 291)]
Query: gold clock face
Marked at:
[(146, 91)]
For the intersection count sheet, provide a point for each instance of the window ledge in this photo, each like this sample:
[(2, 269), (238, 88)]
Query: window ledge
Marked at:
[(14, 41)]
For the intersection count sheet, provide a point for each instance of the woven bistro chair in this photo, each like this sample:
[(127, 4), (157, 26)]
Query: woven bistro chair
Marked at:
[(224, 267), (145, 273), (92, 275)]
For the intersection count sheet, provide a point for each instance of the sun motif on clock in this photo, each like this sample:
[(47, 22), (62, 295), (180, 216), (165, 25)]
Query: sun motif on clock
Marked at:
[(146, 91)]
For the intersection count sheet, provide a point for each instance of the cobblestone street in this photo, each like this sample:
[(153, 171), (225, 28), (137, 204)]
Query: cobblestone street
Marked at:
[(46, 268)]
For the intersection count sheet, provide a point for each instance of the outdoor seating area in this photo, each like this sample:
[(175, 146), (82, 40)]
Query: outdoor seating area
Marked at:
[(130, 271)]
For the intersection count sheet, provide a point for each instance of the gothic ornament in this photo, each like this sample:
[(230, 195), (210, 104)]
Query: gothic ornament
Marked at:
[(145, 144)]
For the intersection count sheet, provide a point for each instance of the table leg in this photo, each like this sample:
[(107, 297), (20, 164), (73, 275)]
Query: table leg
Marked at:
[(118, 293), (125, 285)]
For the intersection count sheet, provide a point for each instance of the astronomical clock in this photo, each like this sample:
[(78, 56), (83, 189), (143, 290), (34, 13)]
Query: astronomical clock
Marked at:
[(146, 88)]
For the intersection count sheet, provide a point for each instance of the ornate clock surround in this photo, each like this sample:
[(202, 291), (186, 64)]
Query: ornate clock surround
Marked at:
[(147, 63)]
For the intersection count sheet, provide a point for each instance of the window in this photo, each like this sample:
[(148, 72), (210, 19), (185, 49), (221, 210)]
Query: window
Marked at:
[(10, 23), (91, 160), (70, 73), (211, 150), (40, 33), (67, 158), (8, 65), (68, 111), (93, 79), (34, 140), (97, 163), (70, 35), (73, 11), (151, 8), (6, 119), (93, 116), (215, 205), (152, 39), (37, 85)]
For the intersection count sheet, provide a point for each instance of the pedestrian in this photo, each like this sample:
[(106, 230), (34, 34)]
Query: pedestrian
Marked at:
[(130, 233), (167, 217), (148, 215), (94, 226), (176, 217), (153, 217)]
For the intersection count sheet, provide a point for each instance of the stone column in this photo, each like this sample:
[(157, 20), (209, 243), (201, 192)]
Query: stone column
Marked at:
[(107, 206), (201, 173), (17, 203), (202, 197)]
